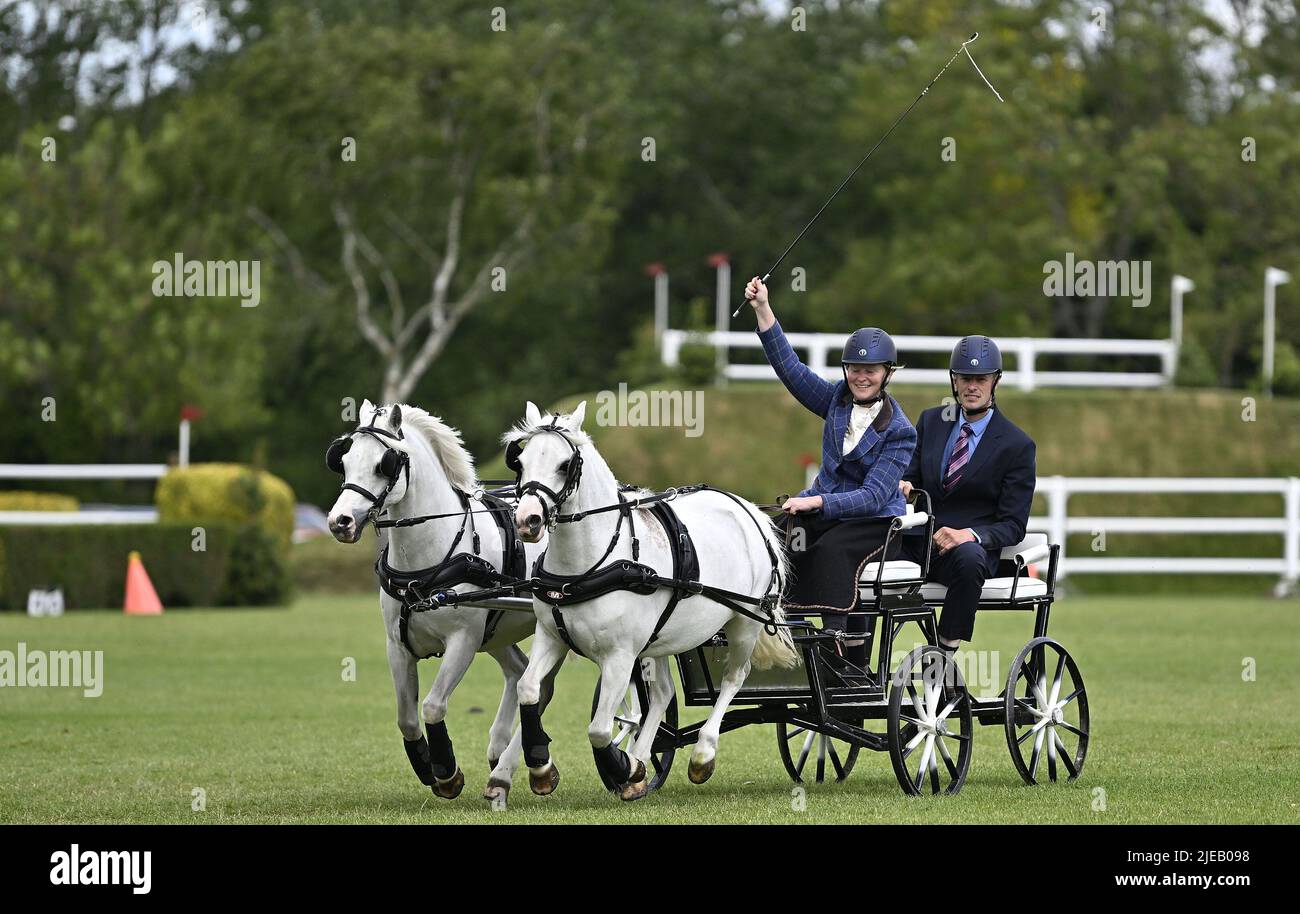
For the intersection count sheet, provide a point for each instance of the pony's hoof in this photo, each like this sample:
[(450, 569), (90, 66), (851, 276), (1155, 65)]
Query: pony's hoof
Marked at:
[(450, 788), (543, 783), (497, 792), (637, 785), (699, 772)]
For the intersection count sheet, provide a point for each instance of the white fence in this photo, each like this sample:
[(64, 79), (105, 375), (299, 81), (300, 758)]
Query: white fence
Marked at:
[(1025, 350), (82, 471), (1059, 523)]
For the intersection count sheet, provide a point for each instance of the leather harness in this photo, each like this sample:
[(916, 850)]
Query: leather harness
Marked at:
[(418, 591), (561, 590)]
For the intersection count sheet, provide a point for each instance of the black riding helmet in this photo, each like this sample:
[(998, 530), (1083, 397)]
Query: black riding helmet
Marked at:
[(976, 355), (870, 346)]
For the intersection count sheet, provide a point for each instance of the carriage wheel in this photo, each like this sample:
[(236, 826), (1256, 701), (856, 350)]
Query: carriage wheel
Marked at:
[(929, 723), (627, 726), (798, 745), (1046, 710)]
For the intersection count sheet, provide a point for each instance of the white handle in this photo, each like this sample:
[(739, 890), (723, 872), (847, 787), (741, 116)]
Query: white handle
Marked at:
[(1034, 554), (911, 519)]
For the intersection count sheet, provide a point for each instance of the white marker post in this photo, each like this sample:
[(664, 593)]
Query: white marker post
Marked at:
[(720, 262), (1273, 278), (1180, 286)]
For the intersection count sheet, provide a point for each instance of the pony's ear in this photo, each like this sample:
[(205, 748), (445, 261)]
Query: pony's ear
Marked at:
[(367, 410), (532, 415), (395, 418), (576, 417)]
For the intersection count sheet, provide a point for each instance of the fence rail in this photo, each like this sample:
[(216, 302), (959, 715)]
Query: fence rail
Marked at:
[(1025, 350), (1057, 524)]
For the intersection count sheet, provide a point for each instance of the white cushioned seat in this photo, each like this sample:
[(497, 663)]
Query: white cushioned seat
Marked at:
[(897, 570), (994, 589)]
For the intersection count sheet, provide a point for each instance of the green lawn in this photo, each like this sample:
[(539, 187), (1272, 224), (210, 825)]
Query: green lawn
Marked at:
[(250, 706)]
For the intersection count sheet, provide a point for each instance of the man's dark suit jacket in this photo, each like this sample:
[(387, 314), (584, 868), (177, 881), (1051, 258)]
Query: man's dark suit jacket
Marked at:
[(996, 489)]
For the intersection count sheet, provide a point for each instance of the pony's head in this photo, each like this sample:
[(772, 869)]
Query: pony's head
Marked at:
[(544, 451), (375, 464)]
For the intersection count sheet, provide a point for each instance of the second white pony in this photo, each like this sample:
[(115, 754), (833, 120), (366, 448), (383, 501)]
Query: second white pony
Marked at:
[(737, 550)]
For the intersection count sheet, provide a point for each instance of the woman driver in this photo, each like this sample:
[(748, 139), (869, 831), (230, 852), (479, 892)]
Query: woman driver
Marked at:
[(867, 444)]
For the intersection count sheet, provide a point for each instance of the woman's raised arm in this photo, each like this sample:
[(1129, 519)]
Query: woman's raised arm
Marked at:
[(809, 388)]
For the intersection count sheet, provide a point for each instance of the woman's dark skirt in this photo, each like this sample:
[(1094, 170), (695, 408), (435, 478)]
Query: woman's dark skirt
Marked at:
[(827, 557)]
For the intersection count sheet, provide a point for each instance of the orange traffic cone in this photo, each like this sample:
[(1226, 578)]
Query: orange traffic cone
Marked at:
[(141, 598)]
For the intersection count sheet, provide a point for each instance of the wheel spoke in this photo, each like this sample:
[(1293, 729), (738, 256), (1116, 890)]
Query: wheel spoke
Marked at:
[(934, 771), (943, 715), (1038, 748), (947, 760), (1072, 696), (1036, 728), (1051, 754), (803, 753), (1024, 703), (821, 757), (1065, 756), (835, 763), (916, 699), (791, 734), (925, 762), (1073, 729), (1056, 677)]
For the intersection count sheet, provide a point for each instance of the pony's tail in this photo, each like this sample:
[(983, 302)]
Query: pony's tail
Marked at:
[(774, 650)]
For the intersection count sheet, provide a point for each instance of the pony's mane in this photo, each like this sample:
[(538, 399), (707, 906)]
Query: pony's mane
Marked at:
[(447, 446), (523, 431)]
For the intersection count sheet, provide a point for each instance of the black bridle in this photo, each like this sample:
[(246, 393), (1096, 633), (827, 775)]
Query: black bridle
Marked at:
[(572, 473), (392, 464)]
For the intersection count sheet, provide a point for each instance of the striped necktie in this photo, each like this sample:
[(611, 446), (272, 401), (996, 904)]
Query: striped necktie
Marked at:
[(960, 455)]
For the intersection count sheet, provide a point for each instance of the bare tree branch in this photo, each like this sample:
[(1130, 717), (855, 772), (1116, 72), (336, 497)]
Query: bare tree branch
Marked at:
[(369, 329), (301, 272)]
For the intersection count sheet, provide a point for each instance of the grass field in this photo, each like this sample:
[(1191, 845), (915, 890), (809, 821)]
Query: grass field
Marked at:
[(251, 708)]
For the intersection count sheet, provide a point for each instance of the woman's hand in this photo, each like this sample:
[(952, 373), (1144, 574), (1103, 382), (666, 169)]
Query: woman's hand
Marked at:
[(756, 295), (802, 505)]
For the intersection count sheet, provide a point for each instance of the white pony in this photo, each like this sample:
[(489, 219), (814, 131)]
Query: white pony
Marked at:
[(615, 629), (430, 472)]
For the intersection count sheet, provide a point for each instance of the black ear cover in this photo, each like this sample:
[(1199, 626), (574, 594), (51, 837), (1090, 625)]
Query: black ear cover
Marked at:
[(390, 464), (513, 450), (334, 453)]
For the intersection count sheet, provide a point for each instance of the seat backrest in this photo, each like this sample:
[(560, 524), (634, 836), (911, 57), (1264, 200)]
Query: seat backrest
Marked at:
[(1031, 540)]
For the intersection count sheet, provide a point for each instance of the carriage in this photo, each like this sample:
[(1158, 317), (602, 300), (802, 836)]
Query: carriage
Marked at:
[(917, 708), (825, 709)]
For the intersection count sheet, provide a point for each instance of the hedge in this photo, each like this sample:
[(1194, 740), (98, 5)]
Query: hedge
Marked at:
[(240, 566), (37, 501), (230, 492)]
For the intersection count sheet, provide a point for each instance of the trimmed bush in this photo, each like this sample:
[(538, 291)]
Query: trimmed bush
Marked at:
[(37, 501), (239, 566), (227, 492)]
